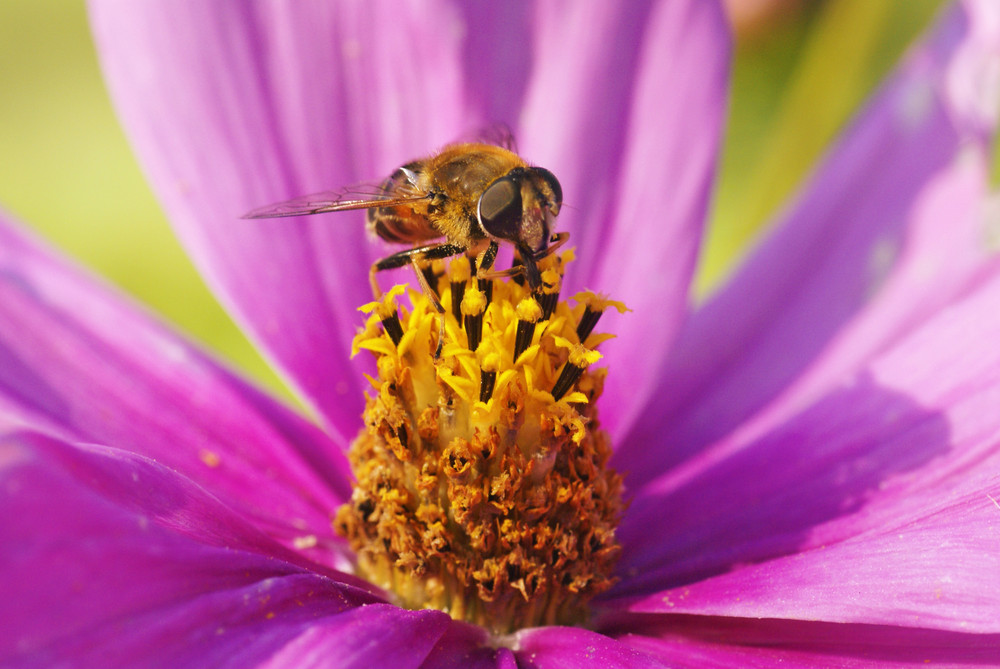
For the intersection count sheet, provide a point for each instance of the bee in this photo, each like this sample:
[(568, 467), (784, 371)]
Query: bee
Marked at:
[(474, 195)]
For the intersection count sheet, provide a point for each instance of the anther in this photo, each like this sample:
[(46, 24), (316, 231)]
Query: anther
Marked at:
[(569, 375), (549, 297), (487, 380), (459, 272), (579, 359), (593, 310), (474, 304), (489, 364), (393, 327), (385, 309), (528, 314), (587, 322), (486, 288)]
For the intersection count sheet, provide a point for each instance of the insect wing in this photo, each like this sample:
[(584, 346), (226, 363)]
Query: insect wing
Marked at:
[(321, 203), (497, 134)]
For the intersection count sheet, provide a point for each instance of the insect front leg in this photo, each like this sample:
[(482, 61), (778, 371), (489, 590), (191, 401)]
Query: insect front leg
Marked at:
[(415, 257), (485, 260), (556, 241), (501, 273), (487, 257)]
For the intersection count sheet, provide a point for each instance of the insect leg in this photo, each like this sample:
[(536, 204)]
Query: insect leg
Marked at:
[(501, 273), (531, 260), (555, 242), (487, 258), (426, 286), (413, 256)]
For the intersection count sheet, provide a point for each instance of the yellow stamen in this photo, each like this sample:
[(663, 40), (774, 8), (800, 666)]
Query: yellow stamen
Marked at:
[(482, 481), (590, 306)]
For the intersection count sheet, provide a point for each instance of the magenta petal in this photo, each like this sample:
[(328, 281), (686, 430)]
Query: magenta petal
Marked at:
[(232, 106), (243, 625), (575, 648), (934, 567), (377, 635), (109, 556), (893, 474), (703, 642), (466, 646), (627, 108), (887, 231), (80, 361)]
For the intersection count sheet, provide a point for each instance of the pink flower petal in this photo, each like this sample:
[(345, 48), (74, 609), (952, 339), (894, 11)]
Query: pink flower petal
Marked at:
[(80, 361), (111, 558), (378, 635), (232, 106), (874, 505), (887, 231), (627, 108), (466, 646), (576, 648), (936, 569), (703, 642)]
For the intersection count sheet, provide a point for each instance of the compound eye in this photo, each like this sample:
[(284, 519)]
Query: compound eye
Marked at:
[(500, 208), (553, 183)]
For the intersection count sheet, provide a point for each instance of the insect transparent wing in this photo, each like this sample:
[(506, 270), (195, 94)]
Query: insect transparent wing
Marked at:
[(497, 134), (355, 197)]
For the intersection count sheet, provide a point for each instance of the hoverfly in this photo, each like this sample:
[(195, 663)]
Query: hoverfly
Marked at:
[(474, 195)]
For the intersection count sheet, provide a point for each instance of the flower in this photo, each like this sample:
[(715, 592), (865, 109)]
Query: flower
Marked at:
[(810, 455)]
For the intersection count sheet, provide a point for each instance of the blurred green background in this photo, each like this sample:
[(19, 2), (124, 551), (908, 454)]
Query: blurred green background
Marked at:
[(801, 68)]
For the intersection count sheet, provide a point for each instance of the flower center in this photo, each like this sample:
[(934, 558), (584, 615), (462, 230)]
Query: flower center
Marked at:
[(482, 481)]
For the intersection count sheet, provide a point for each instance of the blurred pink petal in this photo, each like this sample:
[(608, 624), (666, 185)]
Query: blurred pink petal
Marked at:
[(638, 169), (862, 256), (270, 117), (83, 363)]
